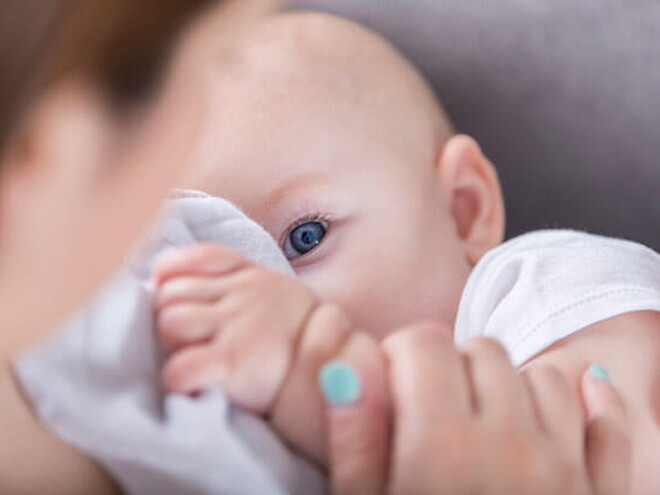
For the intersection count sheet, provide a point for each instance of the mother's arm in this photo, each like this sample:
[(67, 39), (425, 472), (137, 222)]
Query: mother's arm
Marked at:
[(32, 460)]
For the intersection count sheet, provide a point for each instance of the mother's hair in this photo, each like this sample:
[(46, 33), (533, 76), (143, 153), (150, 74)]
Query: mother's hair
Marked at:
[(119, 45)]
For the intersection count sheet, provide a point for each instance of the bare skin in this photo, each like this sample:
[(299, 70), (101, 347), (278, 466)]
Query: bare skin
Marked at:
[(263, 337), (351, 140), (629, 346), (34, 461)]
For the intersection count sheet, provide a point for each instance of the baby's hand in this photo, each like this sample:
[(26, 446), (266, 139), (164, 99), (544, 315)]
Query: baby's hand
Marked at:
[(228, 322), (259, 335)]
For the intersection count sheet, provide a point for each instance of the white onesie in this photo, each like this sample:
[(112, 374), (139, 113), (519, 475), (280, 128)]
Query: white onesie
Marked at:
[(96, 384), (541, 287)]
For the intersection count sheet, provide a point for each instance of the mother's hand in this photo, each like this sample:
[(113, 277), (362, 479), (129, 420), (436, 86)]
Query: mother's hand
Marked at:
[(466, 422)]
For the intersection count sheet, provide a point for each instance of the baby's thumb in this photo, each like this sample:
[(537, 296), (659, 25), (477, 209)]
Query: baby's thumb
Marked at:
[(608, 435)]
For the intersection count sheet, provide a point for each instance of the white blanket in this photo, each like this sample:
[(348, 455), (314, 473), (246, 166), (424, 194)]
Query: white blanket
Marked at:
[(97, 386)]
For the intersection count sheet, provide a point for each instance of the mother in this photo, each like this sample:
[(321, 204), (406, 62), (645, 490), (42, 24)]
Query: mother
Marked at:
[(98, 109)]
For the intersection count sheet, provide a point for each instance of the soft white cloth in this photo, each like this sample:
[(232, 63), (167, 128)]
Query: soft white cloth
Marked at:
[(96, 385), (543, 286)]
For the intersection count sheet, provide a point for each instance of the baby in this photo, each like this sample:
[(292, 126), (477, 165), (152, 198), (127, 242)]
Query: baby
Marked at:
[(337, 147)]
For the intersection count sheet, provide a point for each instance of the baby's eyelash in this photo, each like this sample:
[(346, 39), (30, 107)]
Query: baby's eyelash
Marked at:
[(316, 217)]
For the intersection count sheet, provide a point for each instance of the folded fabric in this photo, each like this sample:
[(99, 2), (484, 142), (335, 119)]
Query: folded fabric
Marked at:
[(96, 384), (543, 286)]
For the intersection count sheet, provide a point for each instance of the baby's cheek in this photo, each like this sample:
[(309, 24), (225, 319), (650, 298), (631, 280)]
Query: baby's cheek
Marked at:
[(346, 290)]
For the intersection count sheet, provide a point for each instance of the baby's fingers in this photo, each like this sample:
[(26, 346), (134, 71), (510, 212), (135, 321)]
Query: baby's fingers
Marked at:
[(249, 371), (189, 290), (186, 324), (198, 259), (192, 370), (199, 368), (608, 434)]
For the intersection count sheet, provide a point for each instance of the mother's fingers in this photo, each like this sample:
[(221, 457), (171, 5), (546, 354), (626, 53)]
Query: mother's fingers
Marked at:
[(608, 435), (432, 407), (500, 394), (428, 376), (355, 388), (557, 409)]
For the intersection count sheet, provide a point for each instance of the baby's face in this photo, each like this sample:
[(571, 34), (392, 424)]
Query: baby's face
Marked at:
[(360, 228), (335, 155), (361, 219)]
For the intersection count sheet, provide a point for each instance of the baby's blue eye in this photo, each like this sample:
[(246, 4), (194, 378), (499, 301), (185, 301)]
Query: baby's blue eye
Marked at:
[(304, 238)]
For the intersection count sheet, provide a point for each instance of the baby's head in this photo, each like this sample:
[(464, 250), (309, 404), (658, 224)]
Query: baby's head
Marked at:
[(326, 136)]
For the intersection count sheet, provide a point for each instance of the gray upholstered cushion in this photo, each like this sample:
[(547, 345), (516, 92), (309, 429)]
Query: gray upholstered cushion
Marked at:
[(563, 95)]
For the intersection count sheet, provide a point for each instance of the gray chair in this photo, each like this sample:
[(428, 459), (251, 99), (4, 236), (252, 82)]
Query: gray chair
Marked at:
[(563, 95)]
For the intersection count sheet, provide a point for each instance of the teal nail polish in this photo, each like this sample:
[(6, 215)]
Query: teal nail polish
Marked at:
[(340, 383), (597, 371)]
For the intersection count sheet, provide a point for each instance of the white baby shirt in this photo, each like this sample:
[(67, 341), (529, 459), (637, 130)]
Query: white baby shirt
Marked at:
[(96, 384), (541, 287)]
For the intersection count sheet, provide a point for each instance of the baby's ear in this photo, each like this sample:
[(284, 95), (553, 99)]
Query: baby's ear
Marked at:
[(470, 184)]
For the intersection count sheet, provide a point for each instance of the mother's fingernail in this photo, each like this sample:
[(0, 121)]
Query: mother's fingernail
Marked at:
[(340, 383), (597, 371)]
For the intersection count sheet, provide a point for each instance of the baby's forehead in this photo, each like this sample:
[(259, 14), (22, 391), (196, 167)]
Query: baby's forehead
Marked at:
[(314, 93), (262, 185), (310, 59)]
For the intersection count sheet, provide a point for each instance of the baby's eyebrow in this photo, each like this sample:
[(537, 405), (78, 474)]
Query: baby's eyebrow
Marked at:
[(292, 186)]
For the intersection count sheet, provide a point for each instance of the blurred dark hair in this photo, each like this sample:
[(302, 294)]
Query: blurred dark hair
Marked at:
[(121, 45)]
